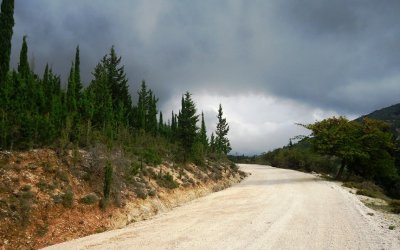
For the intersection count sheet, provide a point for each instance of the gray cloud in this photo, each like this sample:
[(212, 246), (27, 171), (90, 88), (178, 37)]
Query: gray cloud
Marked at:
[(337, 56)]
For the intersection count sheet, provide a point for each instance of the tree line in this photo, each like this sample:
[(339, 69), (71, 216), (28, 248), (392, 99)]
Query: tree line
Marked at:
[(364, 148), (37, 111)]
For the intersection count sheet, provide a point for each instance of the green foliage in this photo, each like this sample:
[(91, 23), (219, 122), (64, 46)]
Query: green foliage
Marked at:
[(198, 153), (68, 199), (167, 181), (23, 66), (187, 123), (62, 176), (89, 199), (365, 149), (150, 156), (300, 157), (203, 133), (222, 145), (6, 32), (141, 193)]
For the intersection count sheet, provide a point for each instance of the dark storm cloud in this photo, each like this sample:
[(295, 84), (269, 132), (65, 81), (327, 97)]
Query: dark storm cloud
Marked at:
[(341, 55), (308, 50)]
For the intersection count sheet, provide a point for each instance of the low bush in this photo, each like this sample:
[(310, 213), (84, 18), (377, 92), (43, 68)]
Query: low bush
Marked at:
[(68, 199), (141, 193), (62, 176), (89, 199), (167, 181)]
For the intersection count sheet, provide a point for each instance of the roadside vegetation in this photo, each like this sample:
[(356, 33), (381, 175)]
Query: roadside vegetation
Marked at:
[(362, 153)]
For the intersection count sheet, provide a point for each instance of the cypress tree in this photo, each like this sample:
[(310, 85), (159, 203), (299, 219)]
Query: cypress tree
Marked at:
[(221, 141), (212, 143), (23, 66), (203, 133), (142, 106), (6, 32), (117, 81), (71, 91), (187, 120), (161, 124), (151, 119), (77, 73)]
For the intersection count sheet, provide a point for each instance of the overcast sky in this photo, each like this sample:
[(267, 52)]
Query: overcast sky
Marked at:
[(270, 64)]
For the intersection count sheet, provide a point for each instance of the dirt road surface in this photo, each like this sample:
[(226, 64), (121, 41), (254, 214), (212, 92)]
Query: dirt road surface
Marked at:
[(271, 209)]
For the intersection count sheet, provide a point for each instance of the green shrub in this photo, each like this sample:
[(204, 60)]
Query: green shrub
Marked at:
[(134, 169), (141, 193), (150, 156), (68, 199), (62, 176), (167, 181), (26, 188), (44, 186), (89, 199)]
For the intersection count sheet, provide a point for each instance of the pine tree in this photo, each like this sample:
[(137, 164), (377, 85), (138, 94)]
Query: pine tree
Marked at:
[(212, 143), (161, 124), (117, 81), (6, 32), (77, 74), (222, 144), (151, 119), (174, 126), (23, 66), (72, 102), (142, 107), (203, 133), (187, 120), (101, 96)]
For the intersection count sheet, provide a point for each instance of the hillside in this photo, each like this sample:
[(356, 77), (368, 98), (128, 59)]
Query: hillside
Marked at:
[(47, 197), (390, 115)]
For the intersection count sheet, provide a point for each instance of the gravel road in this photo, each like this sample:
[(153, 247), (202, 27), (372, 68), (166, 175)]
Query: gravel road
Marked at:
[(271, 209)]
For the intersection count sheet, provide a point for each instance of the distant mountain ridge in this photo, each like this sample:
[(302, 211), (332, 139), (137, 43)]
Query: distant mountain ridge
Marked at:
[(389, 114)]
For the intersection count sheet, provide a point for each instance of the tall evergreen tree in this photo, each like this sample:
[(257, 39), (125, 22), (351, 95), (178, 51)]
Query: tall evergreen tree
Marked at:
[(187, 123), (77, 74), (6, 32), (151, 118), (72, 102), (142, 107), (212, 143), (203, 133), (117, 81), (23, 66), (160, 124), (222, 144)]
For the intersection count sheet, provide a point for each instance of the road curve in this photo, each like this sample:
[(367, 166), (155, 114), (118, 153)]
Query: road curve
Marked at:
[(271, 209)]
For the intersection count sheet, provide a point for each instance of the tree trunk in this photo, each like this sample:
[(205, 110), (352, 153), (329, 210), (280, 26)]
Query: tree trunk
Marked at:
[(339, 174)]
